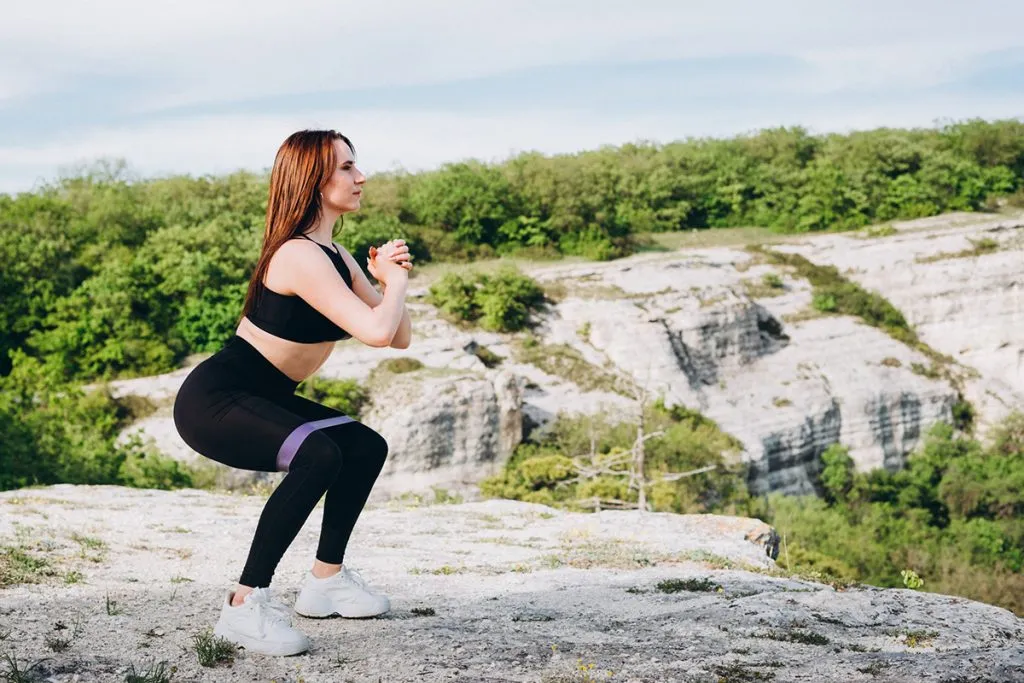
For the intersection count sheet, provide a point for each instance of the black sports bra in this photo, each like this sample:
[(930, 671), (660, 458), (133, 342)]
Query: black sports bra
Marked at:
[(289, 316)]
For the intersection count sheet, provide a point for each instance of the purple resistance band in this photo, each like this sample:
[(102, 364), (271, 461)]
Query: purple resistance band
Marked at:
[(291, 445)]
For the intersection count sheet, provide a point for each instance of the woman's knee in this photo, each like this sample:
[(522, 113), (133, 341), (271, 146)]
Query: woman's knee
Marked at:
[(370, 445), (319, 453), (378, 445)]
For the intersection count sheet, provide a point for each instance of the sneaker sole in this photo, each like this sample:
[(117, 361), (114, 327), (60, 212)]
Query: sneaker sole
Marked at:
[(261, 647), (321, 608)]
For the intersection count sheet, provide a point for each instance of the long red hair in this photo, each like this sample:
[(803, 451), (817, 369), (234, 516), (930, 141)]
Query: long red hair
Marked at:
[(304, 163)]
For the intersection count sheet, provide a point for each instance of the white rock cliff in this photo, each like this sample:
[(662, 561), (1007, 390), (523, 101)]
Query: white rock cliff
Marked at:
[(698, 327)]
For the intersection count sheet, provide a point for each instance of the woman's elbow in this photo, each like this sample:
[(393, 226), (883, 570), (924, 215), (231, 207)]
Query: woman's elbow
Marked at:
[(375, 338)]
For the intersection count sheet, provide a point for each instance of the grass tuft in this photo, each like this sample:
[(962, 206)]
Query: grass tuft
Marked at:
[(692, 585), (770, 285), (17, 566), (874, 668), (979, 247), (741, 673), (56, 643), (398, 366), (834, 294), (489, 358), (158, 673), (15, 674), (917, 637), (213, 650), (804, 637), (112, 609)]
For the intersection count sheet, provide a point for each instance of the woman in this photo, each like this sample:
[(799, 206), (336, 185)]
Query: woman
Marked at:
[(239, 408)]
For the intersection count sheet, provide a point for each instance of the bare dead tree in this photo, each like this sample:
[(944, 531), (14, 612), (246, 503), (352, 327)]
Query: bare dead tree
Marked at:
[(590, 466)]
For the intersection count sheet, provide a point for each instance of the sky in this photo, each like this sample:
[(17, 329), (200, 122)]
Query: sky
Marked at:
[(212, 86)]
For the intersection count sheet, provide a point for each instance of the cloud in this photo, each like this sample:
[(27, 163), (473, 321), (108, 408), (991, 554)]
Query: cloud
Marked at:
[(229, 50), (201, 87), (417, 140), (385, 140)]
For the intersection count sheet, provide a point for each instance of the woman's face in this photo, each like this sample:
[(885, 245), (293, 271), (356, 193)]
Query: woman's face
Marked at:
[(344, 189)]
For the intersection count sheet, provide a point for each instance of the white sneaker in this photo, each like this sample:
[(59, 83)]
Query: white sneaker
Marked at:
[(260, 624), (345, 594)]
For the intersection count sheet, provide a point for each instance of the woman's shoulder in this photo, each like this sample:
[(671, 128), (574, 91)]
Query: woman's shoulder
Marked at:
[(291, 248), (289, 260)]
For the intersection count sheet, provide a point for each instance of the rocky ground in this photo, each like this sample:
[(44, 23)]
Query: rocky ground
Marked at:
[(481, 591)]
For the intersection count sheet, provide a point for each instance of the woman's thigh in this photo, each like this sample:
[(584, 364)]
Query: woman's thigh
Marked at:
[(218, 417), (350, 435), (247, 435)]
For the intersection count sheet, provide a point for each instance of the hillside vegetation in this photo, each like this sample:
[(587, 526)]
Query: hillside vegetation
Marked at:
[(102, 277)]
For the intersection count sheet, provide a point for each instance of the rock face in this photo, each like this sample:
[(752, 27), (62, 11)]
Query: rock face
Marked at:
[(718, 331), (446, 429), (787, 390), (487, 591), (958, 281)]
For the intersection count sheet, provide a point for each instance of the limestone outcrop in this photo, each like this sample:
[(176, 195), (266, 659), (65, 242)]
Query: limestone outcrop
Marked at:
[(721, 331)]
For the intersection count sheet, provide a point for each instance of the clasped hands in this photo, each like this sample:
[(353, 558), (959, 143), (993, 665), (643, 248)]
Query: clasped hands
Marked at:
[(386, 261)]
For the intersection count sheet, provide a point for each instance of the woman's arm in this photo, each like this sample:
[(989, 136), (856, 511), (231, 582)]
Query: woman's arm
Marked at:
[(369, 294), (304, 269), (403, 335)]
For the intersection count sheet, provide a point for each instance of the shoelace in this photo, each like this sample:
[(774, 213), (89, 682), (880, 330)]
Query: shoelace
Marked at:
[(356, 578), (269, 608), (281, 609)]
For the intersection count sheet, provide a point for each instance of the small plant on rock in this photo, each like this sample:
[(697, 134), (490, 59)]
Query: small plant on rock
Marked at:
[(398, 366), (56, 643), (911, 580)]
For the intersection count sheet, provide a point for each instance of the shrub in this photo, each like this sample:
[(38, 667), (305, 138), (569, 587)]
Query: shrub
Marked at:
[(55, 432), (344, 395), (506, 300), (501, 302), (143, 468), (455, 295)]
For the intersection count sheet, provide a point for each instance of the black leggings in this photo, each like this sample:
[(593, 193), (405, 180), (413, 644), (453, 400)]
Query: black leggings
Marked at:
[(238, 409)]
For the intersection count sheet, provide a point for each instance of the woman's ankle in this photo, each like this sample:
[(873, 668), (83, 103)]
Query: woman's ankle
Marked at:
[(238, 597), (323, 570)]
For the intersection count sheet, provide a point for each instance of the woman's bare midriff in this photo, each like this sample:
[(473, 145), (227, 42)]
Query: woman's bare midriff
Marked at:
[(296, 360)]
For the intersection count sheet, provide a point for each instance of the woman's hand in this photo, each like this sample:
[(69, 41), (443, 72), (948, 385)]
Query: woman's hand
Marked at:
[(385, 262), (395, 250)]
